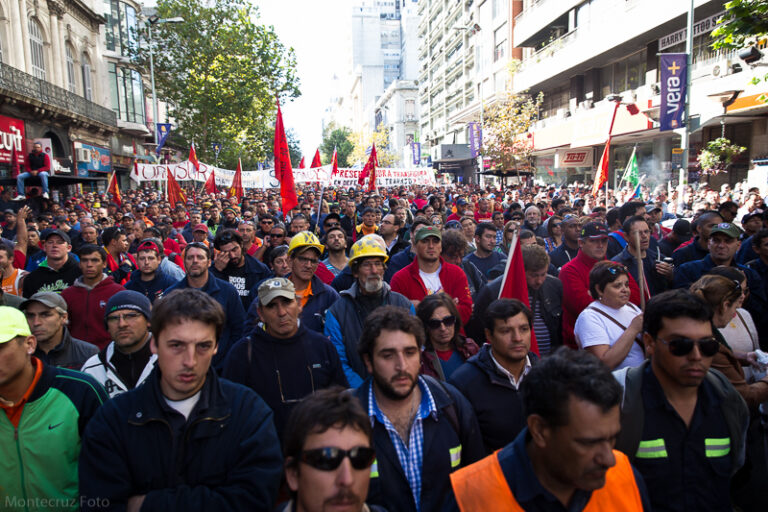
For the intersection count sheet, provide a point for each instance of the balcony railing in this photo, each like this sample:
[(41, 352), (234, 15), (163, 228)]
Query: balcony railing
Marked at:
[(20, 83)]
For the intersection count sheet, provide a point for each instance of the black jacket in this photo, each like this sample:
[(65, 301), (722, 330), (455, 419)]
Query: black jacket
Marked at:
[(71, 353), (45, 279), (225, 457), (255, 273), (153, 289), (497, 404)]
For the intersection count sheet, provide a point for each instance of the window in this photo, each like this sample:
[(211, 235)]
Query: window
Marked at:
[(499, 42), (127, 93), (499, 8), (625, 74), (37, 49), (410, 109), (86, 68), (70, 69), (122, 28)]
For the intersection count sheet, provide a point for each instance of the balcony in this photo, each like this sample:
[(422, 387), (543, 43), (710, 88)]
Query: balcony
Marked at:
[(539, 15), (16, 83)]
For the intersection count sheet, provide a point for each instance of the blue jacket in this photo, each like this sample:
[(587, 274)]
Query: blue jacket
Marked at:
[(656, 282), (691, 252), (153, 289), (343, 280), (399, 261), (688, 273), (255, 273), (390, 489), (313, 314), (226, 295), (226, 456), (746, 252)]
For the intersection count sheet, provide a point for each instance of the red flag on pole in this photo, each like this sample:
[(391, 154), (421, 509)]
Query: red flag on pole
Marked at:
[(114, 189), (193, 157), (602, 169), (334, 163), (14, 161), (236, 190), (283, 171), (301, 164), (316, 160), (369, 171), (173, 190), (514, 285), (210, 184)]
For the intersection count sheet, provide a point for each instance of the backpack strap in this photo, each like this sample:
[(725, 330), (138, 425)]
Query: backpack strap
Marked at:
[(638, 339), (450, 410), (632, 410)]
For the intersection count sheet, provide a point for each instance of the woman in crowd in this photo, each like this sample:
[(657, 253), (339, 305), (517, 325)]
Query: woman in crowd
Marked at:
[(611, 326), (278, 261), (555, 232), (446, 348), (509, 230)]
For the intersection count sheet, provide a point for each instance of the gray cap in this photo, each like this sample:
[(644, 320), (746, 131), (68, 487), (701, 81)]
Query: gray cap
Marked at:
[(275, 287), (48, 299)]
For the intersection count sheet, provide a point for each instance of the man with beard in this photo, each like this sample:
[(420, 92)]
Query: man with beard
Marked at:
[(149, 279), (344, 320), (195, 218), (322, 431), (233, 265), (564, 458), (251, 242), (214, 219), (303, 361), (127, 361), (422, 429), (230, 219), (336, 245)]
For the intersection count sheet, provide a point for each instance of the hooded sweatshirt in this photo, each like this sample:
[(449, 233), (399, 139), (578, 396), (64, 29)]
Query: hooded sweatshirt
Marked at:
[(87, 306)]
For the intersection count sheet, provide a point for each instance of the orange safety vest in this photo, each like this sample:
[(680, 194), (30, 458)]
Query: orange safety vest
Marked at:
[(482, 486)]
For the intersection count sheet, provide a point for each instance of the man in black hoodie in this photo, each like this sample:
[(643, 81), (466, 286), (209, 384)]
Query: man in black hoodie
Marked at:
[(58, 270)]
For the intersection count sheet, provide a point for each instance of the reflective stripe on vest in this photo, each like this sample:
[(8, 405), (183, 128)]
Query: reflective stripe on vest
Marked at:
[(482, 486), (455, 456), (653, 449), (375, 468), (717, 447)]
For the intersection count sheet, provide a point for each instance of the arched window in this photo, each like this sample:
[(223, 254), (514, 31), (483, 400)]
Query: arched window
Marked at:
[(37, 48), (70, 69), (86, 68)]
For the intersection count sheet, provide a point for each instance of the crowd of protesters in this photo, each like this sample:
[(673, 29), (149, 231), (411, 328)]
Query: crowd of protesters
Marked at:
[(354, 353)]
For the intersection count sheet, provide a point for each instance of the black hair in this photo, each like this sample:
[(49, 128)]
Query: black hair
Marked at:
[(482, 227), (505, 308), (612, 216), (454, 242), (90, 249), (428, 306), (674, 304), (627, 225), (225, 236), (388, 318), (757, 238), (629, 209), (604, 273), (110, 234), (187, 304), (8, 249)]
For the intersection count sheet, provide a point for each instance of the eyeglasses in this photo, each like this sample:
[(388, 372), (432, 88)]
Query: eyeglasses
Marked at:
[(556, 225), (307, 261), (435, 323), (294, 400), (277, 235), (128, 317), (330, 457), (267, 221), (332, 225), (683, 346)]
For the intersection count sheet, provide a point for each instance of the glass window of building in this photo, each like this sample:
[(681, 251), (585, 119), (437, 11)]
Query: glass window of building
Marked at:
[(87, 69), (499, 42), (122, 28), (499, 8), (37, 49), (623, 75), (127, 93), (70, 69)]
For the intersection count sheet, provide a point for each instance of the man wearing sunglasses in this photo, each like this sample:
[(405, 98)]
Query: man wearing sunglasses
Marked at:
[(682, 425), (329, 457)]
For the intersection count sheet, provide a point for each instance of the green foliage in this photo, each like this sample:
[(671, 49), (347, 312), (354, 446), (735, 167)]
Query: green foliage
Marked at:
[(743, 24), (335, 137), (221, 73), (718, 155), (384, 156)]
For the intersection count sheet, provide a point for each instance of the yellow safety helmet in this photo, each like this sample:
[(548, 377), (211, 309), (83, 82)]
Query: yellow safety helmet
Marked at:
[(305, 239), (365, 248)]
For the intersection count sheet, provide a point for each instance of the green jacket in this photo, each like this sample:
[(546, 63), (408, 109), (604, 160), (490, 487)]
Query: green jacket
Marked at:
[(38, 459)]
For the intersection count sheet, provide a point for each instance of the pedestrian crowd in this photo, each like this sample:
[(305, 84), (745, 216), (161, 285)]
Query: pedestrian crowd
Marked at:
[(363, 352)]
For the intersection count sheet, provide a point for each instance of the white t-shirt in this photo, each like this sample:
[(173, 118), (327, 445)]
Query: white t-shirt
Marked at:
[(593, 328), (184, 407), (432, 281)]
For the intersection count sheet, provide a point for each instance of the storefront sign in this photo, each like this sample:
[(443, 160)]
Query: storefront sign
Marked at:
[(581, 157), (704, 26), (12, 136), (100, 161)]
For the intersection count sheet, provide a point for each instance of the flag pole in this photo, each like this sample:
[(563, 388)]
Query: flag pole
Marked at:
[(512, 246), (640, 272)]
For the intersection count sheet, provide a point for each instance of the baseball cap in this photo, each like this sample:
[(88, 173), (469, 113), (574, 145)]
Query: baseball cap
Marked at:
[(461, 202), (275, 287), (148, 245), (427, 231), (754, 213), (594, 231), (128, 299), (48, 299), (12, 323), (201, 227), (47, 233), (652, 208), (726, 228)]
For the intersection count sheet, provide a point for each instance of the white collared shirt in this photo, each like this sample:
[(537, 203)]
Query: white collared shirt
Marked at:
[(511, 377)]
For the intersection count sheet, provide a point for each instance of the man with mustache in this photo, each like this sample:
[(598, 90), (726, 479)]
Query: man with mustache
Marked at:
[(564, 458), (422, 429), (344, 319), (682, 425)]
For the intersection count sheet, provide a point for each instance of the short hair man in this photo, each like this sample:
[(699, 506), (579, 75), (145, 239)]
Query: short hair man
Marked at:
[(149, 279), (38, 164), (656, 273), (329, 453), (251, 243), (120, 263), (44, 412), (367, 226), (60, 269), (422, 429), (564, 458), (485, 256), (215, 437), (233, 265), (491, 379), (301, 360), (47, 316), (682, 424), (345, 318), (545, 296), (336, 245), (698, 248), (390, 232), (128, 360)]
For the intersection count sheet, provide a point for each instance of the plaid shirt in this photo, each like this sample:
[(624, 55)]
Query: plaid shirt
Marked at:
[(499, 236), (410, 455)]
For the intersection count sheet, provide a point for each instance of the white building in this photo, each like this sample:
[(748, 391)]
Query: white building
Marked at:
[(396, 111)]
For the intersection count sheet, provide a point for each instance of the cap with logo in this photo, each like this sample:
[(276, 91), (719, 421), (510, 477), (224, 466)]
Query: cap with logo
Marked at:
[(726, 228), (275, 287), (47, 233), (12, 323), (47, 299), (128, 299), (428, 231), (594, 231), (201, 227)]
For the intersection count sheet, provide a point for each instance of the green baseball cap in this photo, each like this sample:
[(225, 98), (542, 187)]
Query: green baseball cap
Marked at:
[(726, 228), (428, 231), (12, 323)]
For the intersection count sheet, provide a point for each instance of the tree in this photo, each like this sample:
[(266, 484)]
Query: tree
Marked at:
[(294, 148), (385, 157), (221, 74), (505, 125), (335, 137)]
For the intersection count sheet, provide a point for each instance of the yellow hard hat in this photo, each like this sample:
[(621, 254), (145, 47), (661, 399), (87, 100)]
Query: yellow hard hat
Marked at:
[(365, 248), (305, 239)]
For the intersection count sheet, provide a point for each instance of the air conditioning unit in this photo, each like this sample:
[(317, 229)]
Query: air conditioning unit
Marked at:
[(82, 155), (722, 68)]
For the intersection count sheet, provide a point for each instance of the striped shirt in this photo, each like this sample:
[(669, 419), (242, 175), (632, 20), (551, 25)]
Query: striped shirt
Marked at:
[(540, 327)]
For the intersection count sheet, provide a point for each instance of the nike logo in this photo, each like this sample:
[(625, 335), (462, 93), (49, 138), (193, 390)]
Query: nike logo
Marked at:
[(51, 427)]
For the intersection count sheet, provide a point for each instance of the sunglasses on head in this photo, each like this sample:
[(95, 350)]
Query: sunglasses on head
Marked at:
[(435, 323), (617, 269), (683, 346), (330, 457)]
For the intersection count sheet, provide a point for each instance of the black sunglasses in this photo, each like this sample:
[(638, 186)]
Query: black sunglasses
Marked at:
[(435, 323), (683, 346), (330, 457)]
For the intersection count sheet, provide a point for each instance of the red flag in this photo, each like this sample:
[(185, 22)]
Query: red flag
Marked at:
[(173, 190), (550, 171), (514, 285), (114, 189), (210, 184), (369, 170), (236, 190), (14, 161), (334, 163), (283, 171), (316, 160), (602, 169), (193, 157), (301, 164)]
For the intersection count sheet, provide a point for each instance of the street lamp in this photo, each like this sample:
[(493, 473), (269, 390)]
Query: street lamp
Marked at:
[(153, 20)]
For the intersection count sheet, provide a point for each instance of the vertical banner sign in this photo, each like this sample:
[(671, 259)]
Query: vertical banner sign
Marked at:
[(475, 139), (674, 74), (163, 129), (216, 149), (416, 150)]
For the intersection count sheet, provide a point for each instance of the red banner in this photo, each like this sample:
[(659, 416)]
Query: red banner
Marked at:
[(12, 135)]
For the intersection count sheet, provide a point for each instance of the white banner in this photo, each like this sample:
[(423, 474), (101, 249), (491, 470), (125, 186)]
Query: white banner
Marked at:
[(581, 157), (346, 178)]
